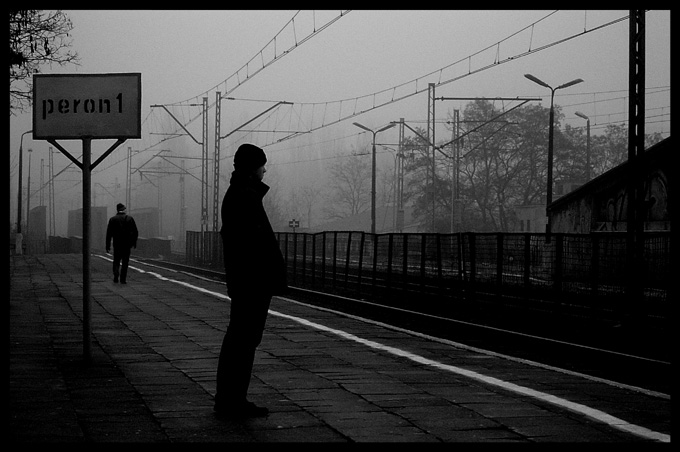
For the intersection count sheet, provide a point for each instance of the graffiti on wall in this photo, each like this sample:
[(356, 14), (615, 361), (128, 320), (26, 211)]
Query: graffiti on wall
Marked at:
[(612, 214)]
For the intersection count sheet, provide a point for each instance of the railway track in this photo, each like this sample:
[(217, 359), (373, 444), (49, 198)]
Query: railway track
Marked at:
[(630, 356)]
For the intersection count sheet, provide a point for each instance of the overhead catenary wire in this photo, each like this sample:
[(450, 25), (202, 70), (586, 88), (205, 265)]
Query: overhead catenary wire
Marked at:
[(307, 123), (371, 98)]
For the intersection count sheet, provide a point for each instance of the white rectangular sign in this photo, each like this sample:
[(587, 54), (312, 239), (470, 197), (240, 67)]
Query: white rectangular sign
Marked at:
[(99, 106)]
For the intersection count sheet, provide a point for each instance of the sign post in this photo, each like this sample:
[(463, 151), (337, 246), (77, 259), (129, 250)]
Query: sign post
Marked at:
[(87, 184), (87, 107)]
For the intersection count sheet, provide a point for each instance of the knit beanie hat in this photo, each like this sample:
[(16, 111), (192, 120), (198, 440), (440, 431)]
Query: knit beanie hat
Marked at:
[(120, 207), (248, 158)]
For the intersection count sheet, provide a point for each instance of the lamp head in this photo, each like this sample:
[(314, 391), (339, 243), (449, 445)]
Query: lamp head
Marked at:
[(361, 126), (537, 80), (388, 126), (573, 82)]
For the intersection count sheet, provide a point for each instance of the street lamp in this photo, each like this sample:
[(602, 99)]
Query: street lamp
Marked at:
[(578, 113), (550, 138), (398, 188), (389, 126), (28, 198), (18, 244)]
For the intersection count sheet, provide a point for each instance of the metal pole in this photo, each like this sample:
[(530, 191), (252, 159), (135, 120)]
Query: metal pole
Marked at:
[(636, 136), (400, 180), (204, 181), (41, 196), (431, 139), (21, 167), (128, 179), (159, 191), (216, 166), (548, 196), (453, 168), (28, 198), (87, 315), (18, 249), (50, 192), (588, 151), (395, 184), (182, 210), (374, 133), (373, 164), (459, 210)]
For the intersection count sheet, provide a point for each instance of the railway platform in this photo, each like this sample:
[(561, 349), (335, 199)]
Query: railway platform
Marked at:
[(325, 377)]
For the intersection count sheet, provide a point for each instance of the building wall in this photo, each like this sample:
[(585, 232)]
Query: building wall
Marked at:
[(575, 218), (146, 220), (530, 218), (98, 223), (37, 222), (602, 204)]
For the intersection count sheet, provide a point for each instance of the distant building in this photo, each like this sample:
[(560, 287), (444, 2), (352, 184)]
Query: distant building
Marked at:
[(602, 203), (564, 187), (98, 222), (530, 218), (37, 222), (146, 220)]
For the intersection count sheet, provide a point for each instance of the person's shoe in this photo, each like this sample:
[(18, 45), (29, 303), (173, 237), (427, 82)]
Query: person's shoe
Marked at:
[(122, 281), (241, 410), (115, 279)]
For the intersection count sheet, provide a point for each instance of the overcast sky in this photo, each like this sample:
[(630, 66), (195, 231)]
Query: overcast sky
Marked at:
[(184, 55)]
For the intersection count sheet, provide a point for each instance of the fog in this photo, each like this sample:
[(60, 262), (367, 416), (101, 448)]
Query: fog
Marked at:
[(371, 67)]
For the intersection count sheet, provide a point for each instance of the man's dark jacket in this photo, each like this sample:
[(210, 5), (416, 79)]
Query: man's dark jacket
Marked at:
[(253, 262), (123, 230)]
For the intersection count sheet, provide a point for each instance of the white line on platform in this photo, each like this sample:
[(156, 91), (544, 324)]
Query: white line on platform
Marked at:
[(577, 407), (587, 411)]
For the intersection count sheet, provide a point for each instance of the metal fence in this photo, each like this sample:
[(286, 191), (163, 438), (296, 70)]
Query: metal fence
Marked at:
[(204, 249), (581, 268)]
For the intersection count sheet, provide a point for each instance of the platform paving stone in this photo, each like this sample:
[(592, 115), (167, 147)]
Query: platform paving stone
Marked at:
[(155, 347)]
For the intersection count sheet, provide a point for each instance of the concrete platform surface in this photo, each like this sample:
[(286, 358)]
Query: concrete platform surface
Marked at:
[(325, 377)]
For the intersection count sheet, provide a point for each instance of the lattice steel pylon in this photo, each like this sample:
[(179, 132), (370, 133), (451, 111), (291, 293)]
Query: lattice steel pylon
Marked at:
[(216, 163), (431, 139), (399, 226), (204, 168)]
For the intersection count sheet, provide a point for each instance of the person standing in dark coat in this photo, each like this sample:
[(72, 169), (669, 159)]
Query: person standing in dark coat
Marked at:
[(123, 230), (255, 271)]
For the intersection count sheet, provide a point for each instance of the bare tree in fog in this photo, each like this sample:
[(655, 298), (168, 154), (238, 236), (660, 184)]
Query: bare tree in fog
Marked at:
[(349, 186), (36, 38)]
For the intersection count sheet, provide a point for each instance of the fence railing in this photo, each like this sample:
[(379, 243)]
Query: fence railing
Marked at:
[(585, 268), (204, 249)]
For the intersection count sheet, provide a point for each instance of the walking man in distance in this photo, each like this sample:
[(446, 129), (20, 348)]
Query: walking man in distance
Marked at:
[(255, 271), (123, 230)]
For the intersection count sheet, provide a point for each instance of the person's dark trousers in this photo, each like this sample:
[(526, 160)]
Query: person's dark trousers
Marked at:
[(121, 258), (244, 333)]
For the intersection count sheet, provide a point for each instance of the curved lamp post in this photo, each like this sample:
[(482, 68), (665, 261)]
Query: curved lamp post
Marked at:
[(18, 247), (389, 126), (550, 137)]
